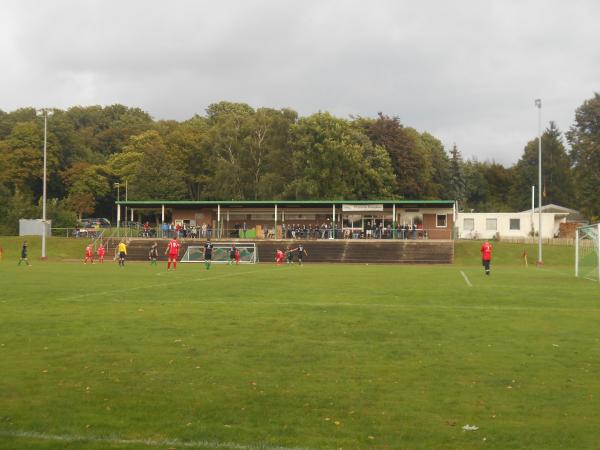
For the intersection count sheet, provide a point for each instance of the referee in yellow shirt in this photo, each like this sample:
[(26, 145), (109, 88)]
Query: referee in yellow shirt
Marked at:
[(122, 252)]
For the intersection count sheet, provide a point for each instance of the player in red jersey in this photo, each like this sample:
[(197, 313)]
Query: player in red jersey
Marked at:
[(173, 252), (89, 256), (101, 252), (486, 256), (279, 257)]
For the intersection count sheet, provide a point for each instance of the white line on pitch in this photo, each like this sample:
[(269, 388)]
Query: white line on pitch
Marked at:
[(147, 442), (385, 305), (466, 278), (179, 281)]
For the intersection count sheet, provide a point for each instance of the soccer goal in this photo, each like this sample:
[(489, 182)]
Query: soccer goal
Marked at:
[(220, 253), (587, 252)]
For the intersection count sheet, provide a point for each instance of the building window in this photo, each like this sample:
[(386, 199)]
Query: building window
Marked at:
[(469, 224), (515, 224), (440, 221), (491, 224)]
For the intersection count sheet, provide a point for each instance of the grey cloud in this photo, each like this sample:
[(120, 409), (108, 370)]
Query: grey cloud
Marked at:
[(465, 71)]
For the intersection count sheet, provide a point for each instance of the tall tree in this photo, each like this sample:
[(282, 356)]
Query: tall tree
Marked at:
[(187, 143), (333, 159), (409, 159), (225, 142), (457, 177), (557, 182), (266, 145), (105, 130), (22, 158), (87, 185), (159, 175), (439, 168), (476, 192), (584, 137), (499, 181), (82, 203)]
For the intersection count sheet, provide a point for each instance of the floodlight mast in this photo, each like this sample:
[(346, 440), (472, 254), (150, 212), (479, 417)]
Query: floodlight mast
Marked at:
[(538, 104), (45, 113), (118, 186)]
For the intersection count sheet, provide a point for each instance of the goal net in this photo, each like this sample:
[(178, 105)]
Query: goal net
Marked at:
[(587, 252), (220, 254)]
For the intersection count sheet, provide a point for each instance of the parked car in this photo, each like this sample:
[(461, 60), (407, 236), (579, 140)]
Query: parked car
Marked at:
[(85, 233), (92, 221)]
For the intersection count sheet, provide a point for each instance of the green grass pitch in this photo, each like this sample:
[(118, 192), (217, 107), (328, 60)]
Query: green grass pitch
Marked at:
[(312, 357)]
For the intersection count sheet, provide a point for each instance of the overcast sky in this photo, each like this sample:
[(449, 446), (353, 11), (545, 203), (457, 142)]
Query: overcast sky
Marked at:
[(466, 71)]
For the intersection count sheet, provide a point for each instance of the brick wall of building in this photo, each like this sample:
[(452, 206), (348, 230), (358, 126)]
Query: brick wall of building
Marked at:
[(429, 224)]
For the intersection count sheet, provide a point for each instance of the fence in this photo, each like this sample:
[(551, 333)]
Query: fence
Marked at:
[(283, 232), (533, 240), (77, 232), (133, 230)]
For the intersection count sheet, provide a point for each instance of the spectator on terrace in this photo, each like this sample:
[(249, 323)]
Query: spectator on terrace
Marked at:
[(368, 230)]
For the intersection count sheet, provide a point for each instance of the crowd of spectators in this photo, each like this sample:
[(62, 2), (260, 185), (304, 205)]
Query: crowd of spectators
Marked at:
[(324, 230)]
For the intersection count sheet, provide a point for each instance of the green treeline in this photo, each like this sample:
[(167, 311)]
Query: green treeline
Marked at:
[(236, 152)]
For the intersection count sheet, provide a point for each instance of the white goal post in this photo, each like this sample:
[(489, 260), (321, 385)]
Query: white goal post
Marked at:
[(587, 252), (221, 253)]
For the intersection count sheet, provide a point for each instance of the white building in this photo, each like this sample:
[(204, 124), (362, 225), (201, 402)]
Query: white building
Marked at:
[(514, 224)]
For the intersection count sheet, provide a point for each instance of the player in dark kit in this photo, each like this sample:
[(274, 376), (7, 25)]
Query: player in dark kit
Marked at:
[(24, 254), (232, 253), (208, 248), (300, 253), (153, 254), (290, 256)]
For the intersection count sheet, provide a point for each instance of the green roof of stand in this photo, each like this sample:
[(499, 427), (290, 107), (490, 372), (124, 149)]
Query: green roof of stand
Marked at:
[(281, 202)]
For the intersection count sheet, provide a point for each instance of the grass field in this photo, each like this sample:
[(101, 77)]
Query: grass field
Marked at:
[(319, 356)]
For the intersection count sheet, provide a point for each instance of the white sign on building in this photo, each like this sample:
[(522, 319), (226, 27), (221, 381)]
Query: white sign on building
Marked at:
[(362, 208)]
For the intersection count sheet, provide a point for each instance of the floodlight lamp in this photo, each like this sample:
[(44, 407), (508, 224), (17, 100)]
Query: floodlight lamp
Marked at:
[(41, 112), (538, 102)]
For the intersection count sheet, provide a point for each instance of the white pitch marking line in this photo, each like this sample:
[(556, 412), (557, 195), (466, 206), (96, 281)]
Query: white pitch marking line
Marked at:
[(383, 306), (179, 281), (466, 278), (147, 442)]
